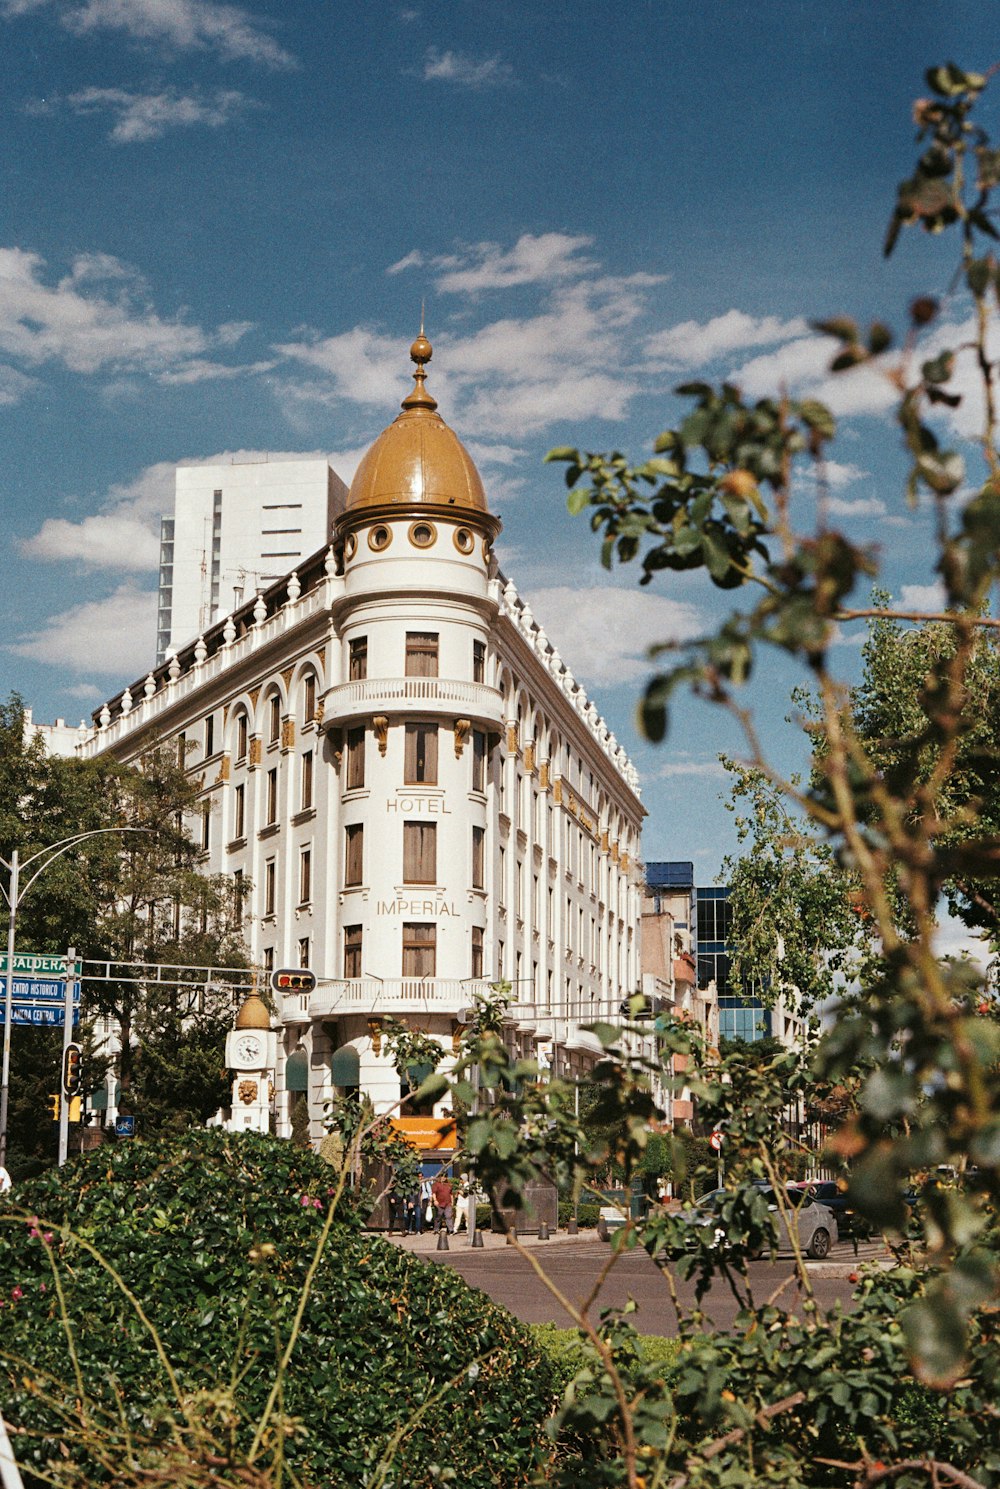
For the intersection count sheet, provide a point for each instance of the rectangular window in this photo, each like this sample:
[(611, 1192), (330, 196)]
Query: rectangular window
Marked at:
[(268, 958), (419, 853), (271, 814), (354, 855), (269, 882), (242, 736), (478, 760), (182, 749), (273, 718), (303, 951), (210, 735), (420, 755), (305, 876), (499, 961), (501, 888), (239, 811), (306, 781), (419, 950), (421, 654), (352, 951), (309, 698), (206, 825), (239, 892), (358, 666), (479, 661), (476, 969), (478, 856), (355, 759)]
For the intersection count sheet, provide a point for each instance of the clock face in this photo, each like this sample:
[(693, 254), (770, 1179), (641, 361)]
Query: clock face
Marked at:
[(248, 1049)]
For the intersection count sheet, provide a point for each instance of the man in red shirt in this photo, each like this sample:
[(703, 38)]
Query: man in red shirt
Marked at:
[(443, 1196)]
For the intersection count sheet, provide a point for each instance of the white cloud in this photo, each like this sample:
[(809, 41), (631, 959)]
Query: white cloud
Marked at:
[(14, 385), (181, 25), (921, 597), (603, 633), (511, 377), (534, 259), (96, 319), (466, 71), (147, 116), (801, 367), (862, 506), (693, 344), (114, 636), (412, 260), (688, 766)]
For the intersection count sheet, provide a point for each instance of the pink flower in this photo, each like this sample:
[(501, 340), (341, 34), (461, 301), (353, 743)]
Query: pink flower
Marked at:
[(47, 1238), (317, 1204), (17, 1294), (43, 1287), (304, 1199)]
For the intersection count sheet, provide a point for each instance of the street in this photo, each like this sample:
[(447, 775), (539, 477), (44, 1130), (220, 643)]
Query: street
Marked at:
[(574, 1267)]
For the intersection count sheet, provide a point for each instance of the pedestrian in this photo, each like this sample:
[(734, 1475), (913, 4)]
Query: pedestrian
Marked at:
[(443, 1196), (426, 1202), (462, 1206), (414, 1212), (6, 1182)]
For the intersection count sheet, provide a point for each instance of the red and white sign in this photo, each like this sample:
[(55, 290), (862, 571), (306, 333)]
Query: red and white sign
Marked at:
[(715, 1142)]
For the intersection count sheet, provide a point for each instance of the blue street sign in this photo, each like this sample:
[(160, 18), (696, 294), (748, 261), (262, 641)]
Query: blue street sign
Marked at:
[(37, 1013), (125, 1127), (39, 989)]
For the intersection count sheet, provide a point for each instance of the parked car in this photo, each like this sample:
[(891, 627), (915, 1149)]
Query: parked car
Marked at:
[(815, 1224), (829, 1193)]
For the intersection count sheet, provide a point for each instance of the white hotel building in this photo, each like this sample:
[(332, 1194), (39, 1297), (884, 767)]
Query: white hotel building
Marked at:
[(423, 797)]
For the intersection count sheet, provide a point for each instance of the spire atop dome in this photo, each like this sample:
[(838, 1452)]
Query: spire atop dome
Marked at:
[(421, 352)]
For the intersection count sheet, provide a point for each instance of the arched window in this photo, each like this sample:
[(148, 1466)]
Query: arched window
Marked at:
[(345, 1068)]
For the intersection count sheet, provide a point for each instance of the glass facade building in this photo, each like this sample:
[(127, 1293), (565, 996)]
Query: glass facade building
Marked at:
[(740, 1016)]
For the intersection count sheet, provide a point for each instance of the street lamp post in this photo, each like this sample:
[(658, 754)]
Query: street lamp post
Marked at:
[(14, 894)]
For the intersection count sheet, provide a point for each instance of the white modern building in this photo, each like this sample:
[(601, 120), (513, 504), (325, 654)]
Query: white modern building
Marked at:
[(236, 529), (423, 797)]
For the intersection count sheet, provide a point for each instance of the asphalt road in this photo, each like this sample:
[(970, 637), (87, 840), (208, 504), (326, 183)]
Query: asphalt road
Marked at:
[(509, 1278)]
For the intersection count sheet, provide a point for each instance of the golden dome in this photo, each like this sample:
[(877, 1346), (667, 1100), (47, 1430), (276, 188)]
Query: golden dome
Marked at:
[(418, 460), (253, 1013)]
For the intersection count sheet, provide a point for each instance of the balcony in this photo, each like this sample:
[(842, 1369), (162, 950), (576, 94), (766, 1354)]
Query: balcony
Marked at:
[(370, 997), (413, 695)]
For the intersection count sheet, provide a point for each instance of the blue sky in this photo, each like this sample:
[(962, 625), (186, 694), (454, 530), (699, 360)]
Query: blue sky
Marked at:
[(218, 222)]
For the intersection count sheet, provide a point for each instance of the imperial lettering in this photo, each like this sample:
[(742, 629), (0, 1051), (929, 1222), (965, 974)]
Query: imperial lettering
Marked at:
[(416, 907)]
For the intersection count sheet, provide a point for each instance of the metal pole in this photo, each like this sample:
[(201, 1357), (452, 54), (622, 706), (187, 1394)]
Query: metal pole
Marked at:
[(474, 1183), (64, 1098), (12, 899)]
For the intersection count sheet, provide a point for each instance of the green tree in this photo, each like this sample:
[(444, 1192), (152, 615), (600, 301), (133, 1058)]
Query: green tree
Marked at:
[(135, 897)]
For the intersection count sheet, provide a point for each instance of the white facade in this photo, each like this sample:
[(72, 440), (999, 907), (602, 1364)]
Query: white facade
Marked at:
[(236, 529), (423, 797)]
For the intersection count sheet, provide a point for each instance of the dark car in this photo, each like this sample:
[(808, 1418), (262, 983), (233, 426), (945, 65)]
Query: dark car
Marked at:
[(828, 1192)]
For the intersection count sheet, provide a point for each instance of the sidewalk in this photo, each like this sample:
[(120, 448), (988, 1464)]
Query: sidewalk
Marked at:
[(428, 1241)]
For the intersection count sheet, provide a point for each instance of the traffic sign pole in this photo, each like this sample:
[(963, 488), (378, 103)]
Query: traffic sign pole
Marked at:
[(67, 1041), (8, 1002)]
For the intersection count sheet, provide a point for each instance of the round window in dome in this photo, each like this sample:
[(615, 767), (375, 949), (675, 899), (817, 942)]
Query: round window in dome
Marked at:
[(464, 541), (380, 537), (422, 534), (351, 546), (486, 552)]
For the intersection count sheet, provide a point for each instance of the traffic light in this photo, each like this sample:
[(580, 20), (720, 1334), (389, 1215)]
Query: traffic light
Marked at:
[(71, 1069), (293, 980), (75, 1107), (53, 1099)]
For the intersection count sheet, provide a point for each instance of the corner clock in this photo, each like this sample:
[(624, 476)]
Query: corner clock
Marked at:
[(249, 1051)]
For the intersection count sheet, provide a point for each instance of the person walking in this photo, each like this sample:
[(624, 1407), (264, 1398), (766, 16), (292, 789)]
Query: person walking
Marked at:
[(443, 1196), (413, 1210)]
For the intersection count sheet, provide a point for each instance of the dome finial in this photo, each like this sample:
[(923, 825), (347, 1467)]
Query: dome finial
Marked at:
[(421, 351)]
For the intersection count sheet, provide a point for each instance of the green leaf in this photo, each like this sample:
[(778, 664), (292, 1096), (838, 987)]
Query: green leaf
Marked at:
[(840, 326), (935, 1336), (578, 500), (563, 452)]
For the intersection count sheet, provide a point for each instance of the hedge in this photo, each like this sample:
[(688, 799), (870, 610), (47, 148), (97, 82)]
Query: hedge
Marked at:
[(397, 1362)]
